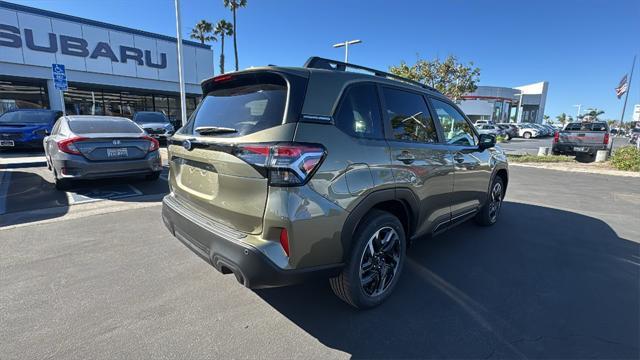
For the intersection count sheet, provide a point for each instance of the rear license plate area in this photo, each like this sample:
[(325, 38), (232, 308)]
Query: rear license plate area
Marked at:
[(580, 149), (7, 143), (117, 152)]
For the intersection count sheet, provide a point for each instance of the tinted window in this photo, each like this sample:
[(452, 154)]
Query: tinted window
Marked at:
[(150, 117), (457, 130), (586, 127), (248, 104), (359, 113), (28, 117), (103, 126), (409, 116)]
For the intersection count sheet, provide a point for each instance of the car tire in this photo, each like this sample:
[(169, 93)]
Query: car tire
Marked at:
[(490, 211), (153, 176), (527, 135), (379, 242)]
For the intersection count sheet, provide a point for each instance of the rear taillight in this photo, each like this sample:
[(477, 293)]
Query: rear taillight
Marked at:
[(153, 143), (69, 145), (556, 136), (606, 138), (288, 164), (284, 240)]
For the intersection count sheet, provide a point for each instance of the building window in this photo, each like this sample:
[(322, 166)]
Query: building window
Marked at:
[(23, 95)]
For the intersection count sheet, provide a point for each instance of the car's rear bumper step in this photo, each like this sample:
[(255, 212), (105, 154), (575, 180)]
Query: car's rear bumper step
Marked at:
[(229, 254)]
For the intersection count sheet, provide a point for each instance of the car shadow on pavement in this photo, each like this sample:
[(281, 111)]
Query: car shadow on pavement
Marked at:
[(30, 197), (542, 283)]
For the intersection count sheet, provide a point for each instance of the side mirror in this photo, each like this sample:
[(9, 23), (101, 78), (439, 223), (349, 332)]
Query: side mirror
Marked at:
[(486, 141)]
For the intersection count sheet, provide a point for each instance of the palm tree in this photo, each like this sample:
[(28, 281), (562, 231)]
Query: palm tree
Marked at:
[(203, 32), (234, 5), (592, 114), (223, 28), (563, 118)]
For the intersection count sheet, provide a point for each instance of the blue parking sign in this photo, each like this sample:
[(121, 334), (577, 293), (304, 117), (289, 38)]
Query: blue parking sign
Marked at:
[(59, 76)]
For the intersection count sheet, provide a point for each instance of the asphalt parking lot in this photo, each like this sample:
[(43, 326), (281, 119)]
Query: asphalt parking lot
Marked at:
[(557, 277)]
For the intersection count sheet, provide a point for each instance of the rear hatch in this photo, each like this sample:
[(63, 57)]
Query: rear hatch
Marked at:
[(583, 134), (215, 159)]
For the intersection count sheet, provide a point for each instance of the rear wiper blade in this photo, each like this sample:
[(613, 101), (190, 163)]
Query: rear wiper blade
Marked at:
[(214, 130)]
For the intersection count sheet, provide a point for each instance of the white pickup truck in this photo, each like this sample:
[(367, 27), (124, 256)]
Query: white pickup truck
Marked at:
[(582, 139)]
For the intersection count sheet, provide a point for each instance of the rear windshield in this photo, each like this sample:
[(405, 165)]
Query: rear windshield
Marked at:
[(241, 105), (103, 126), (586, 127), (28, 117), (150, 117)]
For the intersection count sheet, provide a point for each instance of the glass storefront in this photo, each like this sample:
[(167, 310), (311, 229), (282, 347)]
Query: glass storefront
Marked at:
[(83, 100), (23, 94)]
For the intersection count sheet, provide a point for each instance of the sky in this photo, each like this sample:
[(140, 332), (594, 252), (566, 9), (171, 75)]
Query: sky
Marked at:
[(582, 48)]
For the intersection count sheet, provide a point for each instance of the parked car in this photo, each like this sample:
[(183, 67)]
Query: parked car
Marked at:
[(155, 123), (527, 131), (480, 122), (25, 128), (582, 139), (269, 183), (494, 130), (92, 147), (510, 130)]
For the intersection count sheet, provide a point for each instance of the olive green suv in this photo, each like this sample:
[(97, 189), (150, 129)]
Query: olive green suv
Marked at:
[(285, 174)]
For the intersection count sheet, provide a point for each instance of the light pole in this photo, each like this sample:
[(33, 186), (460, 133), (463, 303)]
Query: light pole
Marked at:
[(346, 47), (183, 103), (579, 106)]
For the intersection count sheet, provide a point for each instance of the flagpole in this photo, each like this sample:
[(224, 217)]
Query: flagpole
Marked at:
[(626, 96)]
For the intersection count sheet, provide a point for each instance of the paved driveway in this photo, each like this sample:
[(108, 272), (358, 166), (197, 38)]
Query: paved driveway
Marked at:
[(557, 277)]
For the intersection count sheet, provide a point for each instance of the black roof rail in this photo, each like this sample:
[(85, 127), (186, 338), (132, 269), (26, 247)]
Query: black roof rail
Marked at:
[(316, 62)]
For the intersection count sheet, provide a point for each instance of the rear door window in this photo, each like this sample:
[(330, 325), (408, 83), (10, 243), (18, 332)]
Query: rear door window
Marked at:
[(409, 116), (359, 113), (241, 105), (103, 126)]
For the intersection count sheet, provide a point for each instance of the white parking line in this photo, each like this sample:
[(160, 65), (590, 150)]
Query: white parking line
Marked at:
[(5, 179), (104, 196)]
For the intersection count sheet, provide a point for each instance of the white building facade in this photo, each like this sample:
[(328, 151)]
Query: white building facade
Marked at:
[(502, 104), (111, 70)]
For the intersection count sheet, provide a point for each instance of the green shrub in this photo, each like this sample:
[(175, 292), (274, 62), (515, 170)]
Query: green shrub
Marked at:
[(539, 159), (501, 138), (626, 158)]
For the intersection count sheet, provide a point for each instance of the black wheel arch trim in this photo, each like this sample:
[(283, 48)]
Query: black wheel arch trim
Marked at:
[(405, 197)]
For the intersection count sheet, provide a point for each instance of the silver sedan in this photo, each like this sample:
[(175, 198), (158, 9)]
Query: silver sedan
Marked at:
[(93, 147)]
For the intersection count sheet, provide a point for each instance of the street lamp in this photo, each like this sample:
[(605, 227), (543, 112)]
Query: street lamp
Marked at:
[(183, 103), (346, 47), (579, 106)]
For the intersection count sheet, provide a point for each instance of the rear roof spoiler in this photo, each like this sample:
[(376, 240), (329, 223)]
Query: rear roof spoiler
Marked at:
[(316, 62)]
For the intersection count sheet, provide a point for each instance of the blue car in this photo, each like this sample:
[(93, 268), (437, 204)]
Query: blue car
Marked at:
[(26, 128)]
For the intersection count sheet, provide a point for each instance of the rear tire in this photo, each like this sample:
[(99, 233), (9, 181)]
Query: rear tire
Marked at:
[(526, 135), (488, 215), (153, 176), (375, 262)]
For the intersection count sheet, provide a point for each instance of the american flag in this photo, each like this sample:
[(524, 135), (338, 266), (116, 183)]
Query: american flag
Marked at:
[(622, 87)]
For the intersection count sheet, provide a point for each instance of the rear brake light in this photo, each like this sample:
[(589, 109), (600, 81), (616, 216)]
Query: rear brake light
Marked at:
[(289, 164), (284, 240), (606, 138), (556, 136), (69, 145), (222, 78), (153, 143)]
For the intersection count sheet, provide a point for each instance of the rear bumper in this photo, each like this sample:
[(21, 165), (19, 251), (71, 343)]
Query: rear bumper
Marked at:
[(78, 167), (569, 148), (226, 251)]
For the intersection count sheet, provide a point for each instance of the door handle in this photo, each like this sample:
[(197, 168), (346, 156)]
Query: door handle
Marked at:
[(406, 157), (459, 158)]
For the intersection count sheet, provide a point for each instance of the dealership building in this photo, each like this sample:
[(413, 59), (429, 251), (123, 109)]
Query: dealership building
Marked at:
[(503, 104), (111, 70)]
